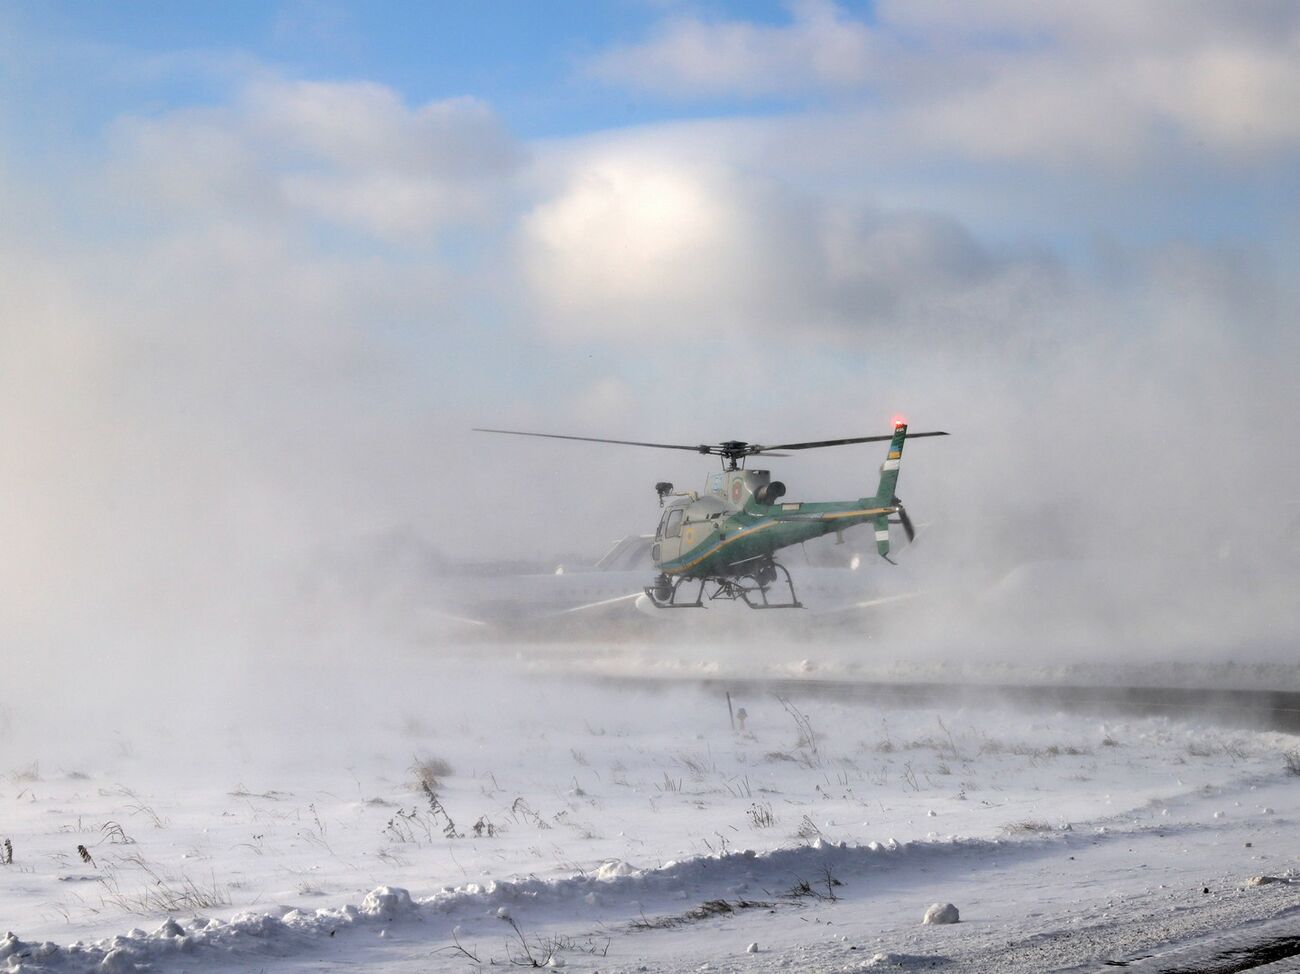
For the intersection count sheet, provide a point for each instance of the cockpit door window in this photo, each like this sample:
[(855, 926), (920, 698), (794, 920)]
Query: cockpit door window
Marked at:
[(673, 526)]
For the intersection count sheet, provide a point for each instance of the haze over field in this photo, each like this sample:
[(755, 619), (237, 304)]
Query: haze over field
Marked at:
[(263, 270)]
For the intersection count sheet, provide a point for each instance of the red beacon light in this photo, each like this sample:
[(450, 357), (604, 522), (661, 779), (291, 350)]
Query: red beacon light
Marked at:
[(899, 421)]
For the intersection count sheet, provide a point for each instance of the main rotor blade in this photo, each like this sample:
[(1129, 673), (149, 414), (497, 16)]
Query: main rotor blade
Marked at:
[(731, 450), (853, 439), (702, 448)]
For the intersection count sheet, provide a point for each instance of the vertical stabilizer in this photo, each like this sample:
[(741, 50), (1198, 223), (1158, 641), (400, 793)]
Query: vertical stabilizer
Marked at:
[(888, 482), (889, 469)]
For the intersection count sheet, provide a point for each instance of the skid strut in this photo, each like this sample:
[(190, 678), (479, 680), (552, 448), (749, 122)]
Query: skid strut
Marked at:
[(751, 588), (664, 593), (764, 579)]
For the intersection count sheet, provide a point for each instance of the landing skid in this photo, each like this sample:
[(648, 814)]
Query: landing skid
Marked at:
[(663, 594), (752, 589)]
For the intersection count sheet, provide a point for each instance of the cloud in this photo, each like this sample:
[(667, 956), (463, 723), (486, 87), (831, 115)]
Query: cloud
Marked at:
[(1063, 85), (637, 244), (820, 48), (1235, 103), (1167, 25), (352, 155)]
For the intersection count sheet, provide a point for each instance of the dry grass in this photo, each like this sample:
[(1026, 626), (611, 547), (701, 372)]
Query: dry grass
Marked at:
[(162, 893), (1291, 761), (182, 896), (760, 815), (1027, 827), (427, 771), (707, 910), (27, 774)]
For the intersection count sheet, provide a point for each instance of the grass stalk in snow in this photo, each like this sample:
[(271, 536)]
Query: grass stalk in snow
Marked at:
[(956, 754), (115, 834), (525, 958), (760, 815), (436, 807), (807, 740), (457, 949), (520, 810), (140, 808)]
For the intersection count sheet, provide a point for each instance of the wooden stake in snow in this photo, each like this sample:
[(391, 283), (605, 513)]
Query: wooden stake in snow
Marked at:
[(731, 714)]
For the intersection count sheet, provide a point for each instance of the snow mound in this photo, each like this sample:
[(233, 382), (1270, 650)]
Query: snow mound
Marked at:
[(614, 868), (388, 902), (616, 886), (904, 962), (1268, 880), (170, 928), (941, 913)]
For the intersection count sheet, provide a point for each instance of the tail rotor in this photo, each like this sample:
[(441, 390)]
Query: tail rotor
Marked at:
[(904, 520)]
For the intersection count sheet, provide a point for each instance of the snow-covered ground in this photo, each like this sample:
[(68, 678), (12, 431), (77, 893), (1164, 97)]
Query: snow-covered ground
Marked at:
[(416, 810)]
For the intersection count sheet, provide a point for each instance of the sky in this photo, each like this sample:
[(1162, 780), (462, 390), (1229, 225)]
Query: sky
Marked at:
[(262, 266)]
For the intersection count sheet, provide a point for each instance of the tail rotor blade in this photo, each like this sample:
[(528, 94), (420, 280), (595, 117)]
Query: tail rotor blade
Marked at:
[(905, 521)]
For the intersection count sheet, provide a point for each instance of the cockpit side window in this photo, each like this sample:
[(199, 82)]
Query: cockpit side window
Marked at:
[(673, 526)]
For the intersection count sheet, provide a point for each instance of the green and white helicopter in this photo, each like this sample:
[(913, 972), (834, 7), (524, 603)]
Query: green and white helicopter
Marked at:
[(724, 539)]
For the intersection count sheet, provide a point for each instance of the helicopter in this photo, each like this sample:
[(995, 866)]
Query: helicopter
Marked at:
[(721, 543)]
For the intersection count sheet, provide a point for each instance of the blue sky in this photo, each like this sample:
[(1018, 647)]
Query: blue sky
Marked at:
[(526, 59)]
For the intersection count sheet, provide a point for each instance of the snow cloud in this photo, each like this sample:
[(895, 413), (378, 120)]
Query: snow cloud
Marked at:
[(242, 326), (219, 337)]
